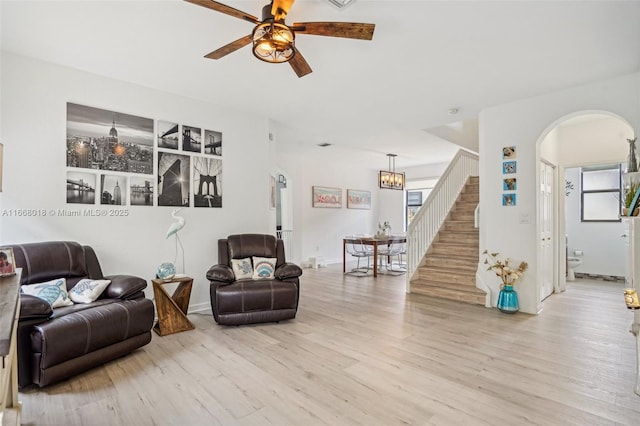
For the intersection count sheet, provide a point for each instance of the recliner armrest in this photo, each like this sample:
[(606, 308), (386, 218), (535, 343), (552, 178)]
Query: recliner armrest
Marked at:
[(287, 270), (221, 273), (34, 308), (124, 286)]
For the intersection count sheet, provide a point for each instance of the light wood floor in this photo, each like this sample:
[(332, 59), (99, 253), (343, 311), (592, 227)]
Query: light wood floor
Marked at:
[(362, 352)]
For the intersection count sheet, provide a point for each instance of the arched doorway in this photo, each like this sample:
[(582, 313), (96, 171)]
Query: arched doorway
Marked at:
[(580, 139)]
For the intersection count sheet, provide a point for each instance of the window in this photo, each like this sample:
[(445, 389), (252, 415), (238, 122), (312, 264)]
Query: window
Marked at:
[(601, 192)]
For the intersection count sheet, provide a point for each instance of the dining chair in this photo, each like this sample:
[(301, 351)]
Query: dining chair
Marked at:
[(358, 250), (396, 249)]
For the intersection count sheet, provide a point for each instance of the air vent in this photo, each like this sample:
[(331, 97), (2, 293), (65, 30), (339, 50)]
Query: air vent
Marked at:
[(341, 4), (324, 144)]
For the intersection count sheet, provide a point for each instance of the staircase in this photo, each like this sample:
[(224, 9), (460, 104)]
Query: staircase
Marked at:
[(448, 270)]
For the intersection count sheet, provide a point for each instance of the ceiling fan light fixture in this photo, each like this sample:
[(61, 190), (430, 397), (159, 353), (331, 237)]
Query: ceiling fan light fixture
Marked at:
[(273, 42), (341, 4)]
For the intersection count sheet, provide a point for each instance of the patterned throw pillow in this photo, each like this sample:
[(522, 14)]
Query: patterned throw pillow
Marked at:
[(53, 292), (87, 291), (242, 268), (263, 267)]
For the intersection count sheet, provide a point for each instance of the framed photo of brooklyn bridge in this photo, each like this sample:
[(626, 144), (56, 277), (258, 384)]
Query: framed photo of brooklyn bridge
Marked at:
[(101, 139), (207, 181)]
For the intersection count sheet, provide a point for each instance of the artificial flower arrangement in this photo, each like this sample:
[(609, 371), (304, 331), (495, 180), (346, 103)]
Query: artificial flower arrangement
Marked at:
[(382, 229), (508, 274)]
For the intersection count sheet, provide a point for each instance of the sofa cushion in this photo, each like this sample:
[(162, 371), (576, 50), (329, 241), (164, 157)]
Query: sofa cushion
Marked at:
[(54, 292), (89, 329), (242, 268), (264, 267), (265, 295), (87, 291)]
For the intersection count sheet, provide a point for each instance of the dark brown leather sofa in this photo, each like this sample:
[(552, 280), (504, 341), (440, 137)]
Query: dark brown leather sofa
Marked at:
[(247, 301), (54, 344)]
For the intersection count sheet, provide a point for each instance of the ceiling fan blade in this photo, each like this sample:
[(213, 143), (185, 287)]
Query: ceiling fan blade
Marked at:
[(299, 64), (223, 8), (280, 8), (230, 48), (336, 29)]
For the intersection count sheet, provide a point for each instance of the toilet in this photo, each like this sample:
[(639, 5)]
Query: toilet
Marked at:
[(572, 264)]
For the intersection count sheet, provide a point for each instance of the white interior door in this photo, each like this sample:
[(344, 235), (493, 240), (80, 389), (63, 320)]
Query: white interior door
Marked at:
[(546, 229)]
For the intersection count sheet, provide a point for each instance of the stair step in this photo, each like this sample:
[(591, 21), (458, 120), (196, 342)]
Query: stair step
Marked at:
[(465, 205), (470, 196), (459, 237), (444, 248), (451, 262), (462, 215), (448, 275), (459, 225), (434, 289)]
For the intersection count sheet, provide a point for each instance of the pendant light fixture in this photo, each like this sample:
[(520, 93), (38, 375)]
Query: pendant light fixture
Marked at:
[(389, 179)]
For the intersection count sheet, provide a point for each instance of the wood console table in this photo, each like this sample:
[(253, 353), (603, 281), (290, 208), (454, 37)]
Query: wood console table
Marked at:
[(10, 407), (172, 309)]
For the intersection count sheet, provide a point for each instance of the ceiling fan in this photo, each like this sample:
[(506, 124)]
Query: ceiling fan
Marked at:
[(274, 41)]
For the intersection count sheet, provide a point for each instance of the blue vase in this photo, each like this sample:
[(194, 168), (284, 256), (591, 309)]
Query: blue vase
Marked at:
[(508, 300)]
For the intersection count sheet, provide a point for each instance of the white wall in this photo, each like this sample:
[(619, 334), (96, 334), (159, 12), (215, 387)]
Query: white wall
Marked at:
[(524, 124), (318, 232), (601, 242), (33, 116)]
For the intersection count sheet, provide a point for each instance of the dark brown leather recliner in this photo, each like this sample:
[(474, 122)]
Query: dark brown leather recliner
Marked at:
[(248, 300), (54, 344)]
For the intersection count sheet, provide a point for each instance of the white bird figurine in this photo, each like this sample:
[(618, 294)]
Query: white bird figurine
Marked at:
[(177, 225), (173, 230)]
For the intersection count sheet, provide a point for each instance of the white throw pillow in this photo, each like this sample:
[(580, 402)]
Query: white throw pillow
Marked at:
[(87, 291), (264, 267), (54, 292), (242, 268)]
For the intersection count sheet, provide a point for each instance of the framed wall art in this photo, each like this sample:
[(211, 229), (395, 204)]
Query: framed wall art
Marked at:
[(272, 192), (325, 197), (508, 199), (509, 167), (509, 184), (108, 140), (509, 153), (207, 181), (7, 262), (358, 199)]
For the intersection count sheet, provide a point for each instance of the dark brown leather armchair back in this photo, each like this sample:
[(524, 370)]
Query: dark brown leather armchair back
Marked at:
[(56, 259), (247, 245)]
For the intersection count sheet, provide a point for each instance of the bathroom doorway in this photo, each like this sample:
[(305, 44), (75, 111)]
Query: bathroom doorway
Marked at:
[(579, 140)]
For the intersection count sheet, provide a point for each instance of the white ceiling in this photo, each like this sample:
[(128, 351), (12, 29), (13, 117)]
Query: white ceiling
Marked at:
[(367, 98)]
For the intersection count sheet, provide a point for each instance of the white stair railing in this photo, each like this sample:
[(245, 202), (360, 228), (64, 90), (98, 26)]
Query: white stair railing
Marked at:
[(429, 219), (286, 235)]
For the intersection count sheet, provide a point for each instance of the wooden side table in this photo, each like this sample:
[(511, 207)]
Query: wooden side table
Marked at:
[(172, 309)]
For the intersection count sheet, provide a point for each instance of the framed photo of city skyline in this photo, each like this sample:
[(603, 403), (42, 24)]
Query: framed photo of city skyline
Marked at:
[(100, 139), (113, 190)]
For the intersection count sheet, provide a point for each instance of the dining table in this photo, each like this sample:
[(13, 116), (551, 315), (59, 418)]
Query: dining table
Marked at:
[(369, 241)]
